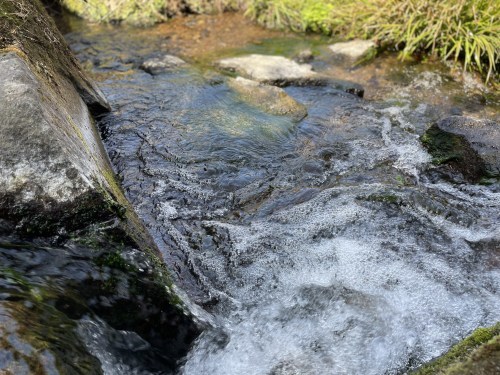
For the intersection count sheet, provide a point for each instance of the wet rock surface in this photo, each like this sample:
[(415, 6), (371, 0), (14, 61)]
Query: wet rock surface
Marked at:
[(54, 301), (454, 155)]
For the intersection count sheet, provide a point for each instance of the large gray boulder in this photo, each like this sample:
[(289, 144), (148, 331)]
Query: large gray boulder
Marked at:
[(50, 155), (57, 187), (54, 173)]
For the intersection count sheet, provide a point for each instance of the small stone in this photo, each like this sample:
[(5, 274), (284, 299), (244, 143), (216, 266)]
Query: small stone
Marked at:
[(304, 56), (353, 49), (159, 65), (271, 99)]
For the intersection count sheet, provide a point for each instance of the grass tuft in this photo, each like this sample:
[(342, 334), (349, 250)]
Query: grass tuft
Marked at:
[(466, 31)]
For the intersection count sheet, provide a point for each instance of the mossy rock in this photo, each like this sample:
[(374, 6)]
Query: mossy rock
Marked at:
[(45, 291), (454, 151), (477, 354)]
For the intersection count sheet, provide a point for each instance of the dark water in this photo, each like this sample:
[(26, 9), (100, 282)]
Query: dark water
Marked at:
[(328, 246)]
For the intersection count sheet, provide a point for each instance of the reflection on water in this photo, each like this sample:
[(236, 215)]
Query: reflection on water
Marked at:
[(324, 246)]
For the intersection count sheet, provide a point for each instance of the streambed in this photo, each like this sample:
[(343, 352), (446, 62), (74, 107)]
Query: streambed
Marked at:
[(325, 246)]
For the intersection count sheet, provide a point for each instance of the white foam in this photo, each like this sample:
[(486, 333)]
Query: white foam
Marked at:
[(362, 297)]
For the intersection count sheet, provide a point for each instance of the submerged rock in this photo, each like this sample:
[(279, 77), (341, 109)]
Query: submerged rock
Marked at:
[(482, 135), (271, 99), (280, 71), (353, 49), (46, 292), (159, 65)]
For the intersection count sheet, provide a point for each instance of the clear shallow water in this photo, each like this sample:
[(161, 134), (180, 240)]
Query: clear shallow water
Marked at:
[(326, 246)]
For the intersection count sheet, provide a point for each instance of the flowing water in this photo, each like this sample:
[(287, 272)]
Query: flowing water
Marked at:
[(327, 246)]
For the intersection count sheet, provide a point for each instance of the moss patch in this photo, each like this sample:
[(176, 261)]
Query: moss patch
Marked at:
[(37, 334), (477, 354)]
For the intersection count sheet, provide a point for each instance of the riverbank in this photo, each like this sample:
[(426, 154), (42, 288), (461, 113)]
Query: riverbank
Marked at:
[(464, 32)]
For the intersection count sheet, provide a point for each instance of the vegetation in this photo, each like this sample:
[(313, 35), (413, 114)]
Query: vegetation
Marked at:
[(463, 30), (460, 30), (144, 12)]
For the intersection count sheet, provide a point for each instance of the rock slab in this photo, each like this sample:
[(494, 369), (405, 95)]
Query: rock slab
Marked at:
[(50, 149), (280, 71), (274, 70)]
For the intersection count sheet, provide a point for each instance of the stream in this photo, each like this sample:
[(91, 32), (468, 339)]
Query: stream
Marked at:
[(325, 246)]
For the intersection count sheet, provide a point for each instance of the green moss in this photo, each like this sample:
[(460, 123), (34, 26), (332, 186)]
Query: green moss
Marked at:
[(479, 349), (34, 330), (384, 198), (115, 260), (443, 146)]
